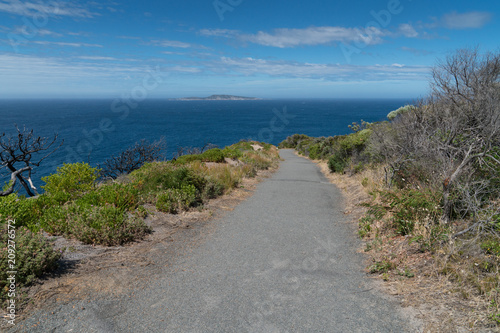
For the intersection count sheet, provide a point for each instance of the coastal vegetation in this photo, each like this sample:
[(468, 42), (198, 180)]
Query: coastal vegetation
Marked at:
[(107, 206), (432, 177)]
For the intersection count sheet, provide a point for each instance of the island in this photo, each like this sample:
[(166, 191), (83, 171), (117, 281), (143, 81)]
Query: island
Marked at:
[(218, 98)]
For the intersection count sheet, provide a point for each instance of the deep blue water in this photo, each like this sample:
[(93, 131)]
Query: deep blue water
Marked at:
[(93, 130)]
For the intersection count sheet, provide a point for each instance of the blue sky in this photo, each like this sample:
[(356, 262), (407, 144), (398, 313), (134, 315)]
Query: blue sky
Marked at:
[(268, 49)]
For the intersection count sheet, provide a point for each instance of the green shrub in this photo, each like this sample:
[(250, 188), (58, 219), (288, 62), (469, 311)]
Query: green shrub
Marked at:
[(71, 180), (336, 163), (124, 196), (212, 155), (383, 266), (404, 109), (491, 246), (212, 189), (175, 200), (410, 205), (242, 146), (292, 141), (314, 151), (157, 177), (34, 256), (26, 212), (105, 225), (232, 153)]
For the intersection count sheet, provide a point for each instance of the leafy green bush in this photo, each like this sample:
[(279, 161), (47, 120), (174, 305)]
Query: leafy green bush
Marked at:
[(336, 163), (106, 225), (160, 176), (383, 266), (491, 246), (26, 212), (232, 153), (404, 109), (34, 255), (409, 206), (71, 180), (175, 200), (314, 151), (212, 155), (292, 141), (213, 188), (242, 146), (124, 196)]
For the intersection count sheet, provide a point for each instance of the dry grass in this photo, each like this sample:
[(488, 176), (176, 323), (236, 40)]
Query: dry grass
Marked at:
[(454, 288)]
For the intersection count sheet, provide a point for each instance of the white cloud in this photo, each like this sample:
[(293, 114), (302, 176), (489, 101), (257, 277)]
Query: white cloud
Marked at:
[(54, 8), (67, 44), (332, 72), (42, 32), (470, 20), (416, 52), (20, 71), (407, 30), (171, 43), (97, 58), (285, 37)]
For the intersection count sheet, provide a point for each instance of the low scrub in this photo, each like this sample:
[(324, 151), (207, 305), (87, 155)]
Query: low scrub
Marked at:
[(34, 255)]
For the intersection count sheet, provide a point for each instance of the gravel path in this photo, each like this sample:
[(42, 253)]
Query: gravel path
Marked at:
[(284, 260)]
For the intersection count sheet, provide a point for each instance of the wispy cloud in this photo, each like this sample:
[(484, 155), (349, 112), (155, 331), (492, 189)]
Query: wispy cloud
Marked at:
[(284, 38), (407, 30), (470, 20), (67, 44), (333, 72), (171, 43), (55, 8), (26, 70), (416, 52), (97, 58), (41, 32)]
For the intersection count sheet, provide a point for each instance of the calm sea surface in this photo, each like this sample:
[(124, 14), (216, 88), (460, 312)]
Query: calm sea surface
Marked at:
[(93, 130)]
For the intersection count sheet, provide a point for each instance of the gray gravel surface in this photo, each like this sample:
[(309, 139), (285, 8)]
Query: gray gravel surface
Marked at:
[(284, 260)]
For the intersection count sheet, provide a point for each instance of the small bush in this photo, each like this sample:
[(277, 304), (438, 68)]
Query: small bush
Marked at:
[(72, 180), (292, 141), (123, 196), (34, 255), (213, 189), (383, 266), (212, 155), (314, 152), (105, 225), (491, 246), (26, 212), (157, 177), (232, 153), (257, 160), (176, 200), (336, 163), (409, 206)]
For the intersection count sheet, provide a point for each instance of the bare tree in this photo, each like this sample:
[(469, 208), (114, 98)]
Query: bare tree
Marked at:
[(20, 153), (193, 150), (132, 158), (454, 134), (467, 115)]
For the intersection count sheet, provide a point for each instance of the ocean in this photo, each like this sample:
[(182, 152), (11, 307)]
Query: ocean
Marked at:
[(93, 130)]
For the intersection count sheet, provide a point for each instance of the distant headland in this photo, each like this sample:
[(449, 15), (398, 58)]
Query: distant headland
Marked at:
[(217, 98)]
